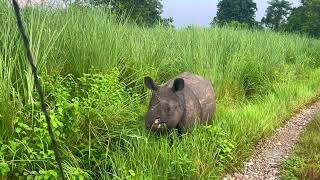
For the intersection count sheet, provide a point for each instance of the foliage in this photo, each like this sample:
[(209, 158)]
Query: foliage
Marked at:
[(305, 19), (99, 95), (305, 162), (289, 167), (242, 11), (237, 25), (143, 12), (276, 14), (259, 77), (4, 168)]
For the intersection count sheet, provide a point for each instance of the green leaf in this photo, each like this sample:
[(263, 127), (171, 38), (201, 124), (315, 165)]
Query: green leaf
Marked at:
[(39, 177), (34, 172), (81, 177), (132, 173), (18, 130), (47, 176), (4, 169)]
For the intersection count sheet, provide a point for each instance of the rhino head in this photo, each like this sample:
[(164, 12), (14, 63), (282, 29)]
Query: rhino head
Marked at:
[(166, 108)]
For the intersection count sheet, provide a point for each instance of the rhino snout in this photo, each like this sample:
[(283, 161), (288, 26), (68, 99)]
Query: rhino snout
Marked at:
[(157, 121), (157, 124)]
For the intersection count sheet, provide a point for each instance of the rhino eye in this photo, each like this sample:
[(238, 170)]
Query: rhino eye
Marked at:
[(168, 108)]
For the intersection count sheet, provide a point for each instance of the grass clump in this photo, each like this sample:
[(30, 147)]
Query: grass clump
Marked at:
[(305, 162)]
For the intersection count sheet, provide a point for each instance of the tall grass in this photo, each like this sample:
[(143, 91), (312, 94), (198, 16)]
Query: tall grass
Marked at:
[(260, 78)]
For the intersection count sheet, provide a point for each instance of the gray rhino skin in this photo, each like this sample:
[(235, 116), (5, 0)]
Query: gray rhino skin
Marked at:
[(180, 103)]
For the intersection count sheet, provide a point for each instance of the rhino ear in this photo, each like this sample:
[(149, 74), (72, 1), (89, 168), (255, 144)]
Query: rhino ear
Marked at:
[(178, 85), (150, 84)]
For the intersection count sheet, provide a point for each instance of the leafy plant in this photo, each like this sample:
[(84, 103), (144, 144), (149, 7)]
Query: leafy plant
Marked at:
[(71, 103), (290, 166), (4, 169)]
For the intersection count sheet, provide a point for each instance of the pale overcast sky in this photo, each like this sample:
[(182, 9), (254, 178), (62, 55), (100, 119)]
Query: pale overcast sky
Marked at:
[(201, 12)]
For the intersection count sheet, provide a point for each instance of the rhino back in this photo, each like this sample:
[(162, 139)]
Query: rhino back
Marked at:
[(204, 92), (199, 99)]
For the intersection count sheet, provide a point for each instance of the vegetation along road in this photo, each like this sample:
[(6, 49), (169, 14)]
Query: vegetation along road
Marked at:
[(266, 161)]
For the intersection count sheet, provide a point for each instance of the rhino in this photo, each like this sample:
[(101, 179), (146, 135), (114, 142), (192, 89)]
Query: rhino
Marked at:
[(180, 103)]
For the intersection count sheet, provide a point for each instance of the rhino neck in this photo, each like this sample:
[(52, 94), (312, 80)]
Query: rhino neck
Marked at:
[(192, 109), (182, 102)]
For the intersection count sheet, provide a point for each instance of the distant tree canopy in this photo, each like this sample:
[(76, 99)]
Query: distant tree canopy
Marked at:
[(143, 12), (276, 14), (305, 19), (242, 11)]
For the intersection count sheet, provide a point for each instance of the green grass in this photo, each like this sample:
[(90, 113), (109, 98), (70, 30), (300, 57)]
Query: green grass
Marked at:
[(260, 79), (305, 161)]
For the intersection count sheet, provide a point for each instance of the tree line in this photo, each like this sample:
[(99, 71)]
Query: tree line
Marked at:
[(279, 16)]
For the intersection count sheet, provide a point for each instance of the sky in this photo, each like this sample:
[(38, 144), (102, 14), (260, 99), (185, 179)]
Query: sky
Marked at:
[(201, 12)]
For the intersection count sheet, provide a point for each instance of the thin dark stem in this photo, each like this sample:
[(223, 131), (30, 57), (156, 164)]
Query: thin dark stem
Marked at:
[(38, 86)]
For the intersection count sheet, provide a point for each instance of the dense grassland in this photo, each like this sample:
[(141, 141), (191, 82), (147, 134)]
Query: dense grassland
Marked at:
[(304, 163), (92, 67)]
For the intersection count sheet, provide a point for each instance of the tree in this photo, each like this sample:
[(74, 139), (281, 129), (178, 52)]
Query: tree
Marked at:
[(242, 11), (305, 19), (277, 14), (143, 12)]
